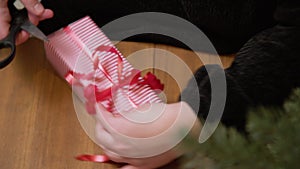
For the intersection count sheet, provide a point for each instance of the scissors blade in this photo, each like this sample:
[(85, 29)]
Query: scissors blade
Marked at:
[(34, 31)]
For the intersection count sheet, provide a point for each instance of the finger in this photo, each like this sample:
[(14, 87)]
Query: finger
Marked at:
[(129, 167), (48, 13), (119, 159), (111, 123), (102, 116), (114, 157), (3, 3), (35, 19), (103, 138), (34, 7), (4, 27), (22, 37), (4, 19)]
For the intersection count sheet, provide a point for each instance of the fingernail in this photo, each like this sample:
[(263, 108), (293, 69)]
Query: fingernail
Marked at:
[(38, 7)]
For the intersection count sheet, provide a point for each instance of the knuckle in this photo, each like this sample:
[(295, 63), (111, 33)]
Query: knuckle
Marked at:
[(3, 34)]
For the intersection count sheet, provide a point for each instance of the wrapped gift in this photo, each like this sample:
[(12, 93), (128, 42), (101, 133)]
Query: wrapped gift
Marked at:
[(98, 72)]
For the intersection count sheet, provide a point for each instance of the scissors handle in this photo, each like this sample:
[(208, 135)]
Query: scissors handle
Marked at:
[(9, 43), (18, 18)]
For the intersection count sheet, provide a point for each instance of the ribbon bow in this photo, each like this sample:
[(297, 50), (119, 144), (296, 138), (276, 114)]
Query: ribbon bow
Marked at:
[(92, 93)]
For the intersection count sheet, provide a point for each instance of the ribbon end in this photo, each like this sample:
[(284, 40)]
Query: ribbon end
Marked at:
[(93, 158)]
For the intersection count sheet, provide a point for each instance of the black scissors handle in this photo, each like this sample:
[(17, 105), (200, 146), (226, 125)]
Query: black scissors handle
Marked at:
[(9, 43), (18, 18)]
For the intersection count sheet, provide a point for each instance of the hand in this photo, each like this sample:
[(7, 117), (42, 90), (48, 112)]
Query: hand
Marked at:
[(145, 143), (36, 13)]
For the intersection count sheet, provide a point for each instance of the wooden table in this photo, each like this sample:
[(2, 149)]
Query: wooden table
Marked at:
[(38, 124)]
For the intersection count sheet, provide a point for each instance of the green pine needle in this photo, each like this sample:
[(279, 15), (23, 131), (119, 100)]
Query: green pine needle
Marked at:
[(273, 141)]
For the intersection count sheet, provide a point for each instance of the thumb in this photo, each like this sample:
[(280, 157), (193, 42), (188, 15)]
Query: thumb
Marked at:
[(34, 7), (129, 167), (4, 19)]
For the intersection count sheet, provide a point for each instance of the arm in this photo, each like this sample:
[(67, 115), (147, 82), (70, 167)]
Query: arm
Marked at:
[(264, 72)]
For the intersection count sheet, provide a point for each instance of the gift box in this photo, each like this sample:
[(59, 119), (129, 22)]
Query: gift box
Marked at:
[(97, 71)]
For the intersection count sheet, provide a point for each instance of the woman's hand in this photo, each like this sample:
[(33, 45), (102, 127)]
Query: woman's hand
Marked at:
[(36, 13), (148, 137)]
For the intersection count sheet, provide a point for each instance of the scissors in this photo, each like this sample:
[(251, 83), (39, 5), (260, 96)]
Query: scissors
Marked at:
[(19, 21)]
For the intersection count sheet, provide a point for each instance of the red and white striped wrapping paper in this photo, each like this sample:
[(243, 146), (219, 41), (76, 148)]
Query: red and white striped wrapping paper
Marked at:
[(82, 48)]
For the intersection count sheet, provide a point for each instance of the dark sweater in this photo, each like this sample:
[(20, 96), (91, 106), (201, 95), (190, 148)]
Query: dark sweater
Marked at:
[(264, 71), (227, 23)]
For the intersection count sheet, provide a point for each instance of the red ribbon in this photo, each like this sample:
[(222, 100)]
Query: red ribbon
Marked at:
[(94, 95), (94, 158), (154, 83), (91, 92)]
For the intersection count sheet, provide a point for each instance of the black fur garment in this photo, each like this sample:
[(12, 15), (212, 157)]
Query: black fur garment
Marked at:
[(264, 33), (264, 71)]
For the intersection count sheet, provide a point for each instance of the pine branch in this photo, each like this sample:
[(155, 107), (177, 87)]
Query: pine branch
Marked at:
[(273, 141)]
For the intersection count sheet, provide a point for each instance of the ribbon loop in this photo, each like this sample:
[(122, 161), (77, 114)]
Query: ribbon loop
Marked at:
[(92, 93)]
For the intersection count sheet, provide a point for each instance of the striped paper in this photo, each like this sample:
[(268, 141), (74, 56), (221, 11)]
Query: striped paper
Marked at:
[(73, 48)]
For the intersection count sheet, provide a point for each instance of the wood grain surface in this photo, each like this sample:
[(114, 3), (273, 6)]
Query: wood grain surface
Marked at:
[(39, 128)]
